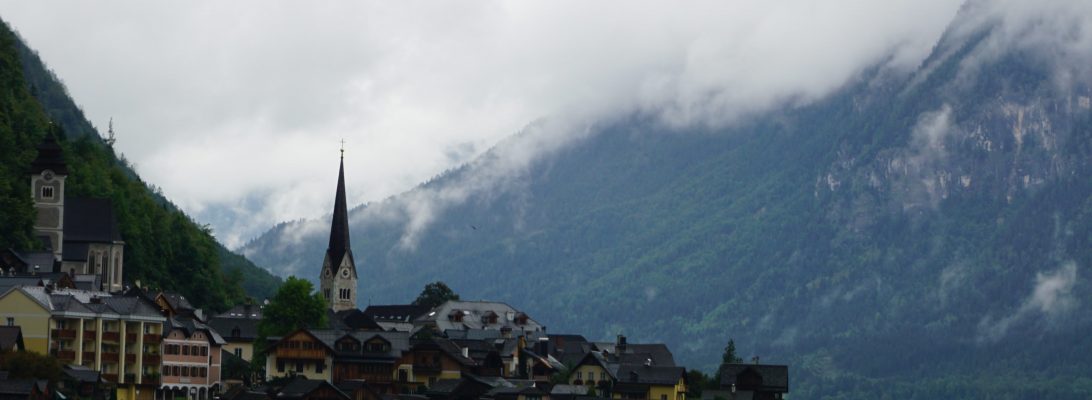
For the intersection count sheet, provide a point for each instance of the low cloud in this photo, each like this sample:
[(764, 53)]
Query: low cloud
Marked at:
[(1050, 299), (218, 101)]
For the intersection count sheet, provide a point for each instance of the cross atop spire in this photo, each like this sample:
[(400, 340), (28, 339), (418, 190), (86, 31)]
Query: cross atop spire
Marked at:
[(342, 148)]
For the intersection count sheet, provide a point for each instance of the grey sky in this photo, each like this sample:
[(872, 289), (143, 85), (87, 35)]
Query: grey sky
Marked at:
[(236, 109)]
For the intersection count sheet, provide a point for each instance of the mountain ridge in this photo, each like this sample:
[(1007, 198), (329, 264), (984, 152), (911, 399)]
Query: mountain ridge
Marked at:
[(915, 235)]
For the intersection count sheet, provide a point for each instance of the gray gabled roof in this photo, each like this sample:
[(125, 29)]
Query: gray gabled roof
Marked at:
[(247, 327), (468, 315), (650, 374)]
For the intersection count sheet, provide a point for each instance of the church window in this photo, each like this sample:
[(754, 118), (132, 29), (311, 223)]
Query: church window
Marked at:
[(47, 192)]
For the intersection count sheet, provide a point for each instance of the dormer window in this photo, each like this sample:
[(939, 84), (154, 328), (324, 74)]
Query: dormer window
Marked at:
[(47, 192), (456, 316)]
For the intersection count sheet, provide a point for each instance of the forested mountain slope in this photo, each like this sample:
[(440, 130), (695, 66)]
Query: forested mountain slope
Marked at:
[(164, 248), (919, 233)]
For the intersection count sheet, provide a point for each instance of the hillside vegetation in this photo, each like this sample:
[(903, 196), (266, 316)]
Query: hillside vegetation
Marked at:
[(164, 248), (917, 234)]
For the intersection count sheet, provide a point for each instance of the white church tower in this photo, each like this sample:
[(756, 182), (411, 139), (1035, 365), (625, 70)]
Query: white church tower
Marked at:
[(47, 176)]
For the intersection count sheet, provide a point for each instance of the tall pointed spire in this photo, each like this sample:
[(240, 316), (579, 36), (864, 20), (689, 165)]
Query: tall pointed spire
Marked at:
[(338, 279), (339, 225)]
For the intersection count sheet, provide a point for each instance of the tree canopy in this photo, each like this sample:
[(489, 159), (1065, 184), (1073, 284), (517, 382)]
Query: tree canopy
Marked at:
[(434, 294), (296, 305)]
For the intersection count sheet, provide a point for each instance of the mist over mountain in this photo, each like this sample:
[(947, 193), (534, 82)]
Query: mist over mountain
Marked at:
[(918, 232)]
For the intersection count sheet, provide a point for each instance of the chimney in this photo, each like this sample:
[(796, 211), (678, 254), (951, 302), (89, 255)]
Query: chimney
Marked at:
[(620, 345)]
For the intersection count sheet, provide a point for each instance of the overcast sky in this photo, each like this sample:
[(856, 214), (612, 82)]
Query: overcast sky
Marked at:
[(236, 109)]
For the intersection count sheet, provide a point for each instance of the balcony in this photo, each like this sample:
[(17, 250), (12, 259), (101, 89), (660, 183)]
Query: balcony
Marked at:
[(427, 368), (89, 335), (152, 338), (111, 336), (151, 358), (88, 355), (314, 354), (130, 337), (109, 357), (110, 377), (130, 358), (130, 378), (64, 333), (150, 379), (66, 355)]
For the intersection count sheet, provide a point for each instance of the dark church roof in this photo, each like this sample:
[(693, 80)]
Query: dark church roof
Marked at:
[(89, 220), (49, 157), (339, 225)]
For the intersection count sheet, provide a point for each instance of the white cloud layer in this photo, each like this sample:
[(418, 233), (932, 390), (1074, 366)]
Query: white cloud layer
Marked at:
[(236, 109), (1051, 298)]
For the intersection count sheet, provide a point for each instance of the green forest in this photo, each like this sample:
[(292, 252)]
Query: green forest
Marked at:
[(165, 249)]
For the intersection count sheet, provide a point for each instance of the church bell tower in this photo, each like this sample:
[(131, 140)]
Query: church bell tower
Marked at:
[(48, 173), (338, 276)]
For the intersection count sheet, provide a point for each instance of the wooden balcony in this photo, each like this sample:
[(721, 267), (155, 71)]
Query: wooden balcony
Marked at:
[(130, 338), (64, 333), (88, 355), (89, 335), (150, 380), (130, 358), (151, 359), (427, 369), (110, 377), (66, 355), (111, 336), (313, 354), (109, 357), (152, 339)]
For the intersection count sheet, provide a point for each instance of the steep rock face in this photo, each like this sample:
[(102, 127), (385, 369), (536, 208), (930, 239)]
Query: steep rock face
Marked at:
[(918, 234)]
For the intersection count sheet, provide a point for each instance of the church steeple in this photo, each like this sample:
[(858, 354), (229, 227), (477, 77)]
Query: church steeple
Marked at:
[(339, 225), (338, 276)]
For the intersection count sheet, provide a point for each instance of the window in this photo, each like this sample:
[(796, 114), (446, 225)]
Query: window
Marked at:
[(11, 321), (194, 372), (327, 293), (319, 367), (239, 352), (204, 372), (235, 332), (47, 192), (185, 371), (204, 351), (166, 371), (663, 397), (280, 365), (299, 366), (185, 350), (579, 375)]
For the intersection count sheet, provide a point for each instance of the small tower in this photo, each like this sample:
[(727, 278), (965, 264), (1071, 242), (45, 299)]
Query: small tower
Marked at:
[(47, 175), (338, 276)]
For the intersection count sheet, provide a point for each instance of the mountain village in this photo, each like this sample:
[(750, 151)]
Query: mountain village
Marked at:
[(117, 340)]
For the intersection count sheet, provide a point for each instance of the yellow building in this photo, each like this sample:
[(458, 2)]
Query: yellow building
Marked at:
[(23, 309), (300, 353), (118, 336), (649, 382)]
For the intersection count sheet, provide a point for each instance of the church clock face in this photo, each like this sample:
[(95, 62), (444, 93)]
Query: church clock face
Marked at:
[(48, 175), (344, 273), (327, 273)]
